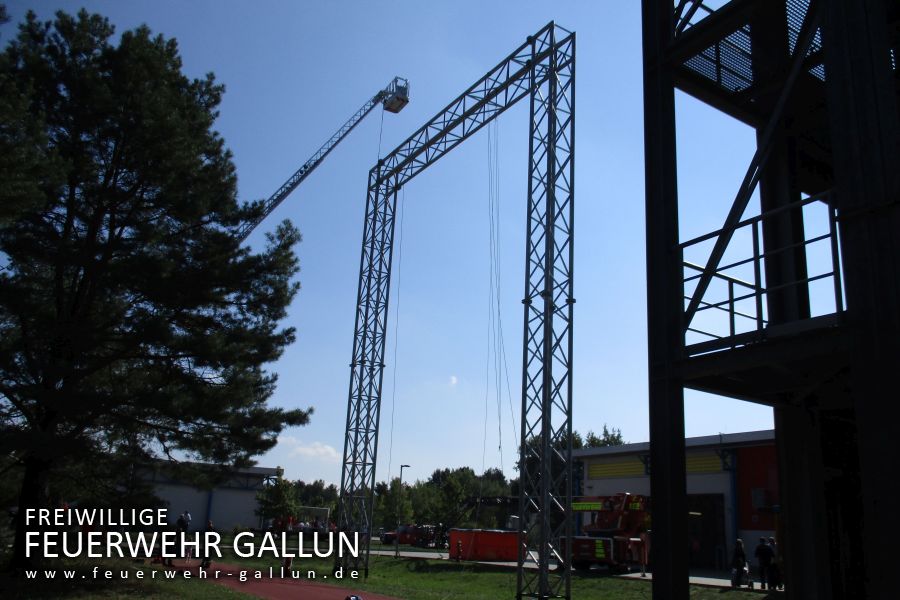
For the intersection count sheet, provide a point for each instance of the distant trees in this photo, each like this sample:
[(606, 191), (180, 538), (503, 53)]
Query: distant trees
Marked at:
[(609, 437), (451, 496), (277, 499), (448, 497), (283, 498), (394, 504), (317, 494)]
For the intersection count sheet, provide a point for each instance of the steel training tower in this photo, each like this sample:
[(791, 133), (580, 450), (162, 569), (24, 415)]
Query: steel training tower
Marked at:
[(794, 302), (543, 71)]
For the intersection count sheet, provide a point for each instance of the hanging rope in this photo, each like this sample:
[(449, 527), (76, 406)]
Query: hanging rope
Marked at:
[(496, 324), (396, 328), (396, 311), (501, 344), (380, 131), (489, 358), (496, 363)]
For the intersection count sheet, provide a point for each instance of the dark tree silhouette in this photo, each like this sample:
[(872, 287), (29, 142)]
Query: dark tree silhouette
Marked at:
[(130, 317)]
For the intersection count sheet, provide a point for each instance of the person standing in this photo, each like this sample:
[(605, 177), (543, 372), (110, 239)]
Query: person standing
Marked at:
[(774, 577), (764, 555), (738, 562)]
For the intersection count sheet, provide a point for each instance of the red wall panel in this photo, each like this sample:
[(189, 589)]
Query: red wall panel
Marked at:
[(757, 486)]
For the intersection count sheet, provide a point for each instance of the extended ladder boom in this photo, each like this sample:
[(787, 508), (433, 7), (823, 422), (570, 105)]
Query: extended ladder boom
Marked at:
[(394, 97)]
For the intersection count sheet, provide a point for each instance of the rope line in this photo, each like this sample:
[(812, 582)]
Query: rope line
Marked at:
[(380, 131), (396, 313), (494, 183), (500, 336), (496, 363)]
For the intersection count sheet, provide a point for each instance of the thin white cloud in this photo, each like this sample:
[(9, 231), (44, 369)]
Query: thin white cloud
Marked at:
[(453, 380), (313, 450)]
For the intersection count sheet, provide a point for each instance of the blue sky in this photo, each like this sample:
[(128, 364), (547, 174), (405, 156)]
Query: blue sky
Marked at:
[(294, 71)]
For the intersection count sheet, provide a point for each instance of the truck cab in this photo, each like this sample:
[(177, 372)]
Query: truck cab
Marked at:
[(614, 530)]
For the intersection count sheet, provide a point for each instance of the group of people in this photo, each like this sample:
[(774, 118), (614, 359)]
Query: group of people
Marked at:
[(769, 570)]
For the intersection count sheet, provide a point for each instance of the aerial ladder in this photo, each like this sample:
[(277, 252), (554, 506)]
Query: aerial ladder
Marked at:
[(393, 97)]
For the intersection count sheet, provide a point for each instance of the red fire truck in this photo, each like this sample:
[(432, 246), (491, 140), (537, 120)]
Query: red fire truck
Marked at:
[(615, 531)]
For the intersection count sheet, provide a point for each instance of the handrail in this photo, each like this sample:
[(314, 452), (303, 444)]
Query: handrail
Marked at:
[(756, 290)]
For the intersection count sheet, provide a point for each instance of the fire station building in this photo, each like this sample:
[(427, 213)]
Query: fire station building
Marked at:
[(732, 486)]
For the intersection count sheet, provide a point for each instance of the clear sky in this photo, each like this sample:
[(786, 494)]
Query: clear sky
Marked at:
[(295, 70)]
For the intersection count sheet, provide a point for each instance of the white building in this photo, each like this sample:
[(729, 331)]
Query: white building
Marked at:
[(228, 504)]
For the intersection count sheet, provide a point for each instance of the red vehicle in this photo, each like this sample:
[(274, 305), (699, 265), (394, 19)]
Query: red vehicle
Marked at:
[(408, 534), (615, 531), (414, 535)]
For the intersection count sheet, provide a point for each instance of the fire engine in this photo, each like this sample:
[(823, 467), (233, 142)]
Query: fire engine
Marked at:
[(615, 531)]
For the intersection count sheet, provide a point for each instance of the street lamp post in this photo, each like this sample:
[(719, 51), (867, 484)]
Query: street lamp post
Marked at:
[(399, 504)]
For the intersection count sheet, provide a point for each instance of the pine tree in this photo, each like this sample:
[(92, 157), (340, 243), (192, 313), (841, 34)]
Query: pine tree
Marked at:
[(130, 316)]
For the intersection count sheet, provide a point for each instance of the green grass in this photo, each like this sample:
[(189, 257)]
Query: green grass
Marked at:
[(414, 579), (417, 579)]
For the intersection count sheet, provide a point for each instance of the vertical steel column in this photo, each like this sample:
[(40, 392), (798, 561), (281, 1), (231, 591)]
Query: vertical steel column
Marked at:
[(665, 312), (803, 544), (367, 368), (783, 233), (546, 457), (865, 137)]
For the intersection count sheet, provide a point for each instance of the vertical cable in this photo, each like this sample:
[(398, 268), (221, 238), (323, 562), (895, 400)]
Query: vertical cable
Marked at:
[(380, 131), (396, 329)]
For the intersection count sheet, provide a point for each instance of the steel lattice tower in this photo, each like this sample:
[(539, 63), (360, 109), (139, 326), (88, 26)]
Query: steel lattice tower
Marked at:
[(545, 501), (543, 69)]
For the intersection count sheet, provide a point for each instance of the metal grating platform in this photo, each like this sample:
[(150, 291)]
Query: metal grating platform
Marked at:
[(726, 63), (729, 62)]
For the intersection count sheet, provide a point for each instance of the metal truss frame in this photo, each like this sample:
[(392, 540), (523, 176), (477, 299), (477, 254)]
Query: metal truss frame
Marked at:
[(545, 476), (543, 68)]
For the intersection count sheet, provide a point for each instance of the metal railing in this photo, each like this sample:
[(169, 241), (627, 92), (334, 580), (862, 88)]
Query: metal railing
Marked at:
[(740, 291)]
